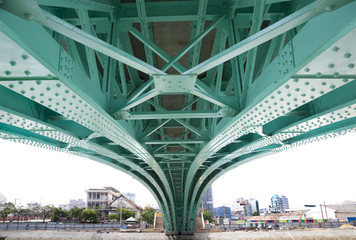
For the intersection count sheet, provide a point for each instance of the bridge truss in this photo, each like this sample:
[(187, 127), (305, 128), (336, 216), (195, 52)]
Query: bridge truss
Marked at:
[(176, 93)]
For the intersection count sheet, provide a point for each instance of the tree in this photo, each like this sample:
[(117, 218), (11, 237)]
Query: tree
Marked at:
[(58, 213), (115, 217), (148, 213), (126, 213), (5, 212), (90, 215), (76, 213), (45, 212), (256, 214), (208, 216)]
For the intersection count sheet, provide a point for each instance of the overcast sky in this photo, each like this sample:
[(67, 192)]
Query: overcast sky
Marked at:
[(310, 174)]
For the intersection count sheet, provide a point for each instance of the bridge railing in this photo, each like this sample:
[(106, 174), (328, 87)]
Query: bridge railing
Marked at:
[(13, 226), (281, 225)]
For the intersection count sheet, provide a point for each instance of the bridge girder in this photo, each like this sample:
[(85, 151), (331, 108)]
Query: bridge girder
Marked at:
[(176, 94)]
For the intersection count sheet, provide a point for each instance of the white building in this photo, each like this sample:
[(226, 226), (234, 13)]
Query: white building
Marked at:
[(240, 207), (2, 199), (101, 197), (76, 203), (110, 199), (131, 196)]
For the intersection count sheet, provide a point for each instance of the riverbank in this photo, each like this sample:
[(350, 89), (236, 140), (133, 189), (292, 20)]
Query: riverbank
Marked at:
[(317, 234)]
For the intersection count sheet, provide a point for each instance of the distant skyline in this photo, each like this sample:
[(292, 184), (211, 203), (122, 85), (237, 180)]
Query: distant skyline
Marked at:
[(309, 174)]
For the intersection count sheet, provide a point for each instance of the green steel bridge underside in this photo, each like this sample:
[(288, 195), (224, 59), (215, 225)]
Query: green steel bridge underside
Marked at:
[(176, 93)]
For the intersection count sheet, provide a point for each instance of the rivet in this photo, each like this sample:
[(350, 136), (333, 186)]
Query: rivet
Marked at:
[(28, 16), (12, 63), (329, 8), (331, 65), (318, 74), (307, 70), (27, 72), (11, 86), (351, 65), (7, 72), (335, 49), (347, 55), (20, 82), (24, 57), (336, 74)]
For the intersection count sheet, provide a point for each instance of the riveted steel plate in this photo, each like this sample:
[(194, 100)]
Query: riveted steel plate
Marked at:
[(174, 83)]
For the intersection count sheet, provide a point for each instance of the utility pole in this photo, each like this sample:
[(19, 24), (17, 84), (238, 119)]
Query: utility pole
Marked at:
[(322, 215), (326, 213), (120, 212)]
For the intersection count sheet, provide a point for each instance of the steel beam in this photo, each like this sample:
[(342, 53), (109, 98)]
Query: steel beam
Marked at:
[(303, 15), (173, 115)]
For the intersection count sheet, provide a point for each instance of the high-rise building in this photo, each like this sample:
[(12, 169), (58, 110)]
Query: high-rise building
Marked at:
[(2, 199), (131, 196), (207, 201), (241, 207), (279, 204), (284, 203), (254, 207), (76, 203)]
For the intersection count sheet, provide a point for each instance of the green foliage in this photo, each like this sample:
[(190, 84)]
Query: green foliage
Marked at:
[(6, 211), (115, 217), (76, 213), (256, 214), (126, 213), (58, 213), (45, 212), (148, 213), (208, 216), (90, 215)]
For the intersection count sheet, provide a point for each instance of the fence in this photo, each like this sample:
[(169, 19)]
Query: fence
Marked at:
[(281, 225), (62, 226)]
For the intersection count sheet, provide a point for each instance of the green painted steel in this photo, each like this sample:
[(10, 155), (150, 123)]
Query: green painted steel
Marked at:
[(176, 93)]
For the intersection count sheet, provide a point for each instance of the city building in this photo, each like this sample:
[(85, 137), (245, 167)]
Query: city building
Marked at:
[(131, 196), (33, 205), (2, 199), (64, 206), (279, 204), (264, 211), (344, 212), (101, 197), (109, 199), (222, 212), (207, 201), (253, 204), (241, 207), (76, 203), (284, 203)]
